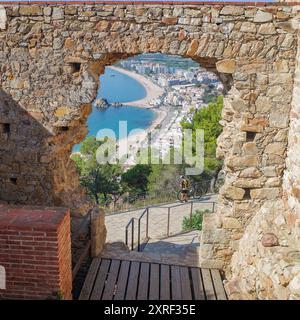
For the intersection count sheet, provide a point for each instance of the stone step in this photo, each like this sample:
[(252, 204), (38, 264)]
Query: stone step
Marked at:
[(119, 250)]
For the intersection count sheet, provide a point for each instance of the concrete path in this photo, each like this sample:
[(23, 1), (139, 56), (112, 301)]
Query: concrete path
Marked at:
[(158, 220)]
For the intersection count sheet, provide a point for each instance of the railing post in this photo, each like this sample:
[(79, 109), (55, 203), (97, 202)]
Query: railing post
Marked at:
[(139, 235), (147, 223), (191, 213), (132, 234), (168, 225), (126, 236), (213, 210)]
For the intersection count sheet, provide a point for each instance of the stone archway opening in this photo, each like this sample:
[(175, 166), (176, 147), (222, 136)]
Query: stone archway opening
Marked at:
[(227, 79), (185, 81)]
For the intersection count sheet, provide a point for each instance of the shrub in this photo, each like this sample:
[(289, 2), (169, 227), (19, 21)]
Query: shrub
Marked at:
[(196, 222)]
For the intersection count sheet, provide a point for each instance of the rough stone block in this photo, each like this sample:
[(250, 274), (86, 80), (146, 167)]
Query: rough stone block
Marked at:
[(232, 192), (3, 18), (231, 223), (226, 66), (31, 10), (236, 162), (262, 16), (265, 193)]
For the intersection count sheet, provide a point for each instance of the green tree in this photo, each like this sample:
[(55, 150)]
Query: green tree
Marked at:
[(102, 181), (207, 118), (164, 178), (136, 178), (89, 146)]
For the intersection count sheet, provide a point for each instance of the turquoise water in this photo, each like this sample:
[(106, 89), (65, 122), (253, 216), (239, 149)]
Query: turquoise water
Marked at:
[(118, 87)]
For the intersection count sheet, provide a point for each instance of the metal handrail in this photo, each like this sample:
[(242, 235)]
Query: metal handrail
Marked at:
[(147, 196), (139, 227), (182, 204), (131, 222)]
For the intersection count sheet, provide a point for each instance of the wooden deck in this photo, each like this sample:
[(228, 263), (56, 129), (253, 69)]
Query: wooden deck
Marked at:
[(111, 279)]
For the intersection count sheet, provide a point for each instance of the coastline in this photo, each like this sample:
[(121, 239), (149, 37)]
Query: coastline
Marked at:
[(153, 91), (136, 139)]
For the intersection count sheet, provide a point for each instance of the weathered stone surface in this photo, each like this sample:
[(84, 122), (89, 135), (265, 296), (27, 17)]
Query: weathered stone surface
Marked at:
[(269, 240), (251, 172), (102, 25), (232, 11), (251, 128), (231, 223), (32, 10), (248, 27), (237, 162), (57, 13), (226, 66), (267, 28), (276, 148), (263, 104), (170, 20), (265, 193), (3, 18), (250, 148), (294, 285), (262, 16), (248, 183), (193, 47), (232, 192)]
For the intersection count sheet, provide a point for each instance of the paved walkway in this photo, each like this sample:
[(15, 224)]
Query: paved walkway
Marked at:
[(157, 252), (158, 220)]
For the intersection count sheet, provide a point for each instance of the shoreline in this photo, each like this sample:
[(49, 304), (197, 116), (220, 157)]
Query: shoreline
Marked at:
[(136, 139), (153, 91)]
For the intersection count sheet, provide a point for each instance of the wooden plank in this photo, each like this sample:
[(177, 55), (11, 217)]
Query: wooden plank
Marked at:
[(165, 293), (175, 283), (218, 284), (100, 280), (197, 284), (110, 284), (89, 280), (122, 281), (154, 282), (186, 289), (143, 281), (208, 285), (131, 291)]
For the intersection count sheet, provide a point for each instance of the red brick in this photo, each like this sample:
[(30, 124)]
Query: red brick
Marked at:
[(36, 252)]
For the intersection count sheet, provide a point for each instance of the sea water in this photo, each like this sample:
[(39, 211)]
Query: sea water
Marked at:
[(118, 87)]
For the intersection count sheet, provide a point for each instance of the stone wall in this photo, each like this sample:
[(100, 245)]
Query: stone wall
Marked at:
[(50, 61), (267, 263)]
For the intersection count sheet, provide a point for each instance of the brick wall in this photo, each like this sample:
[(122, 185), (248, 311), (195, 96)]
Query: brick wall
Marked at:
[(35, 250)]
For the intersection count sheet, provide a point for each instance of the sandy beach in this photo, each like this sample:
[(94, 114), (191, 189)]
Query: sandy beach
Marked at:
[(135, 139), (153, 91)]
